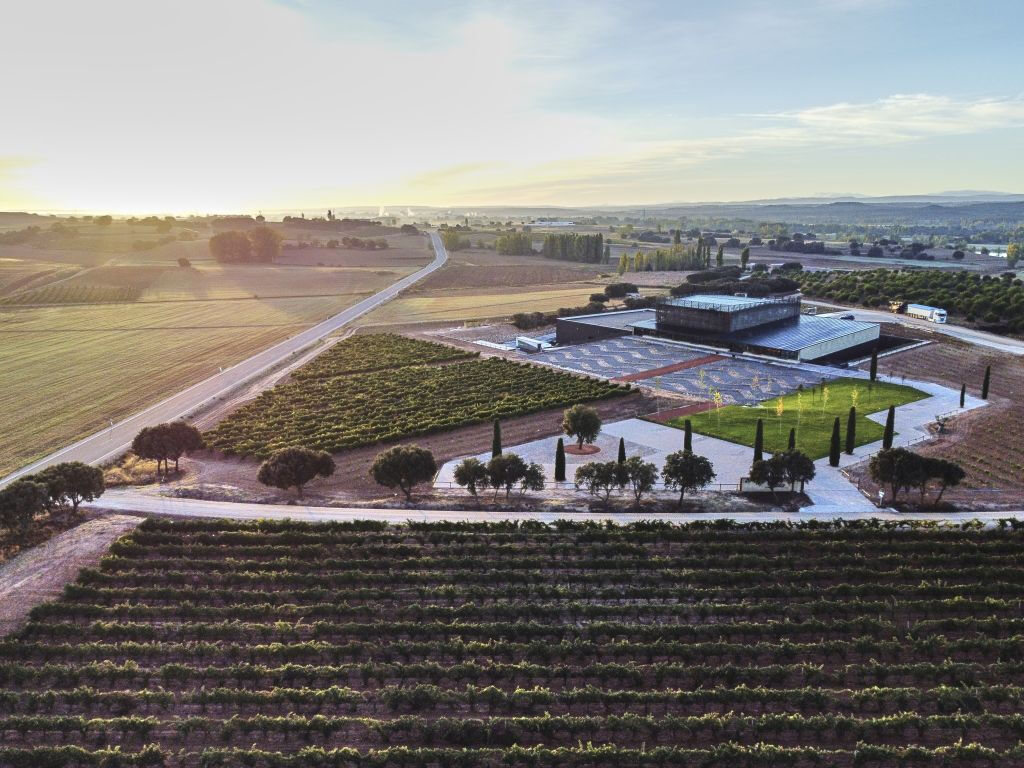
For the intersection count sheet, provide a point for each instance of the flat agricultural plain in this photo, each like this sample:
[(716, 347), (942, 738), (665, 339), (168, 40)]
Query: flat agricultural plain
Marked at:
[(88, 341), (208, 643), (479, 284)]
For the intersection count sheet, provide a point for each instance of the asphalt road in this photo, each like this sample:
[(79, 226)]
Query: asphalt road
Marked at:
[(971, 336), (113, 441), (129, 500)]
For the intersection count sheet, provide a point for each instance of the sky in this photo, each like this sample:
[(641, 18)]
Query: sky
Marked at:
[(201, 106)]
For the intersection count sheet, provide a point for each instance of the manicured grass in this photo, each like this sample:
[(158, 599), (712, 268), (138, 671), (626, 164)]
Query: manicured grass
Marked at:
[(810, 412)]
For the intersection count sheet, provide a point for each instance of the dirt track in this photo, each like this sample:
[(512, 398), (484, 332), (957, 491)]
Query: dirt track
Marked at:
[(40, 573)]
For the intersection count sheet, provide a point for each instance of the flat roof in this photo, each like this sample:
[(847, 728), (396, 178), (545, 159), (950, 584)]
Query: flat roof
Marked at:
[(623, 319), (722, 303), (801, 332)]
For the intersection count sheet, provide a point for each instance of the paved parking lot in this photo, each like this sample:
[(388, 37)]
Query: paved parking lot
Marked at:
[(740, 380)]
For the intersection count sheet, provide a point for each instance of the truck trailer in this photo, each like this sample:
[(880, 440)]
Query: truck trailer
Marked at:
[(924, 312)]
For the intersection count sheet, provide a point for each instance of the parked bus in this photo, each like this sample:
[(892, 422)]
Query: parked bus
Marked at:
[(932, 314)]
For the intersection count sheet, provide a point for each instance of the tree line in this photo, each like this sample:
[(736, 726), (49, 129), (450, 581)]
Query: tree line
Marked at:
[(575, 247), (259, 245), (57, 490)]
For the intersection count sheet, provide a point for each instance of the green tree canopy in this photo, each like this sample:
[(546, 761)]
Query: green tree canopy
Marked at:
[(403, 467), (294, 467)]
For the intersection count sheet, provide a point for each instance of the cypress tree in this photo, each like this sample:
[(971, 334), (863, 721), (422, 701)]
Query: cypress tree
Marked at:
[(963, 394), (720, 256), (622, 450), (792, 439), (833, 449), (560, 461), (496, 440), (874, 364), (986, 382), (759, 441), (890, 428), (851, 430), (744, 258), (688, 436)]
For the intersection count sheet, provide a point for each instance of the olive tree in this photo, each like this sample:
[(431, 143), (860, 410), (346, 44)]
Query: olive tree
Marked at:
[(600, 478), (532, 479), (504, 471), (403, 467), (472, 475), (640, 476), (294, 467), (770, 472), (581, 422), (686, 471)]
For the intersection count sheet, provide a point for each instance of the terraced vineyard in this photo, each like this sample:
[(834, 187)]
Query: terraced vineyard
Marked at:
[(285, 644), (397, 396)]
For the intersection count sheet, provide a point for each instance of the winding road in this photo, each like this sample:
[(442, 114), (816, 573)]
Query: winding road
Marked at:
[(115, 440)]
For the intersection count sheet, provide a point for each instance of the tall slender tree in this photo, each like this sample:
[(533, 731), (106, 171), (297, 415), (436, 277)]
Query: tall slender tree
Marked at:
[(963, 394), (890, 428), (720, 256), (759, 441), (985, 382), (688, 436), (496, 440), (833, 448), (851, 430), (622, 450), (791, 446), (560, 461), (744, 258), (874, 364)]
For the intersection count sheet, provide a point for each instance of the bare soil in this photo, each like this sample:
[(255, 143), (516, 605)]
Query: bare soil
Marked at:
[(39, 574), (987, 442)]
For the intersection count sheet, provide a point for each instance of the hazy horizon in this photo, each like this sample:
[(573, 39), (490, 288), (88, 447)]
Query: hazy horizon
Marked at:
[(457, 104)]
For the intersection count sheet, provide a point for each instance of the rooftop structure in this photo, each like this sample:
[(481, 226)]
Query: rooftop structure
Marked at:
[(768, 326)]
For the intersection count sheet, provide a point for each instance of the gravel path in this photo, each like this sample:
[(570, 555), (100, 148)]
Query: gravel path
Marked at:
[(40, 573)]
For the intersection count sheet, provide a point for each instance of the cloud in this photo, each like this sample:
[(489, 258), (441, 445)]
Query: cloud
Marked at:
[(639, 168)]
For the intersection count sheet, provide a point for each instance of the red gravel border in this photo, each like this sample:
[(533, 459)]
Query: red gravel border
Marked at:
[(670, 368), (664, 417)]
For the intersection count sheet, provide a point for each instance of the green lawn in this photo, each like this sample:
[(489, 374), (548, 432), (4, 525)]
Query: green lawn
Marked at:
[(809, 412)]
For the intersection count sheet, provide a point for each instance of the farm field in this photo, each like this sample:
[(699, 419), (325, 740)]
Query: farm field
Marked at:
[(68, 366), (989, 442), (322, 409), (66, 371), (811, 412), (207, 643), (468, 304), (480, 284)]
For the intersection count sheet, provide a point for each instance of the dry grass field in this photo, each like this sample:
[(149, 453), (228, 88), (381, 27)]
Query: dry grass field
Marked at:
[(65, 371), (69, 364), (479, 284), (470, 304)]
